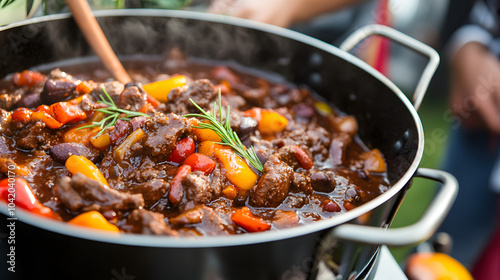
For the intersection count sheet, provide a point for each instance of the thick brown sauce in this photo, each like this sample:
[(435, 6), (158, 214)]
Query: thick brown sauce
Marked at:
[(355, 183)]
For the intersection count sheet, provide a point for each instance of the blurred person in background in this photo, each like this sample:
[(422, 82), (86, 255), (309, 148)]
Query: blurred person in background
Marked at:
[(474, 150)]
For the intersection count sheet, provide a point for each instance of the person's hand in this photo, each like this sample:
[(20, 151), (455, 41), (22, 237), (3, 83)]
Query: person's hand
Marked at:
[(475, 96), (277, 12)]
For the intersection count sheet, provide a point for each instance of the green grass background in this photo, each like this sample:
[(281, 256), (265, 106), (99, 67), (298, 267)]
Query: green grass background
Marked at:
[(421, 192)]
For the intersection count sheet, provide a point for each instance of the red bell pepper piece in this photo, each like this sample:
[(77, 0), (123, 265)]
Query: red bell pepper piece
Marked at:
[(18, 191), (245, 219), (65, 112), (182, 149), (200, 162)]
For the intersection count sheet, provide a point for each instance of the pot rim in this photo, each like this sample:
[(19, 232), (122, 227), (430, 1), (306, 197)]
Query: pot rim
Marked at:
[(240, 239)]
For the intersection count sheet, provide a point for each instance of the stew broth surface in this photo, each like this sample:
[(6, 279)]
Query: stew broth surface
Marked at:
[(315, 167)]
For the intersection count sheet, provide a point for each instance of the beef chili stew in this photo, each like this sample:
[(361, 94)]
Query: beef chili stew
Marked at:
[(144, 157)]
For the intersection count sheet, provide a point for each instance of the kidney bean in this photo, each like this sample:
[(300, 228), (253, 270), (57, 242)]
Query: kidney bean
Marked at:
[(29, 100), (56, 90), (302, 110), (331, 206), (61, 152)]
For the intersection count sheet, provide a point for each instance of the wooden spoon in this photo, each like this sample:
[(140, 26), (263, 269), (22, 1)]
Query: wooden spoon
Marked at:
[(96, 39)]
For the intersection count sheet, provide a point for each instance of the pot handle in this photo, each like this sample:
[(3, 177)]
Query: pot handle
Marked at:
[(405, 40), (413, 234)]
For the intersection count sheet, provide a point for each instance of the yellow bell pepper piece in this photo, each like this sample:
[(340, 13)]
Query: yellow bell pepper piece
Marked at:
[(123, 150), (83, 165), (160, 89), (238, 171), (323, 108), (93, 219), (208, 148), (272, 122), (102, 141)]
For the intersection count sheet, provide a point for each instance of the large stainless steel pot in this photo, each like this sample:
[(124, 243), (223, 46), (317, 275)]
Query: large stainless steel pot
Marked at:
[(387, 120)]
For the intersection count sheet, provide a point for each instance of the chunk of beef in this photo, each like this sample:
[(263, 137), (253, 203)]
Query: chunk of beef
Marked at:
[(33, 136), (81, 194), (201, 91), (216, 180), (206, 218), (197, 187), (132, 99), (114, 89), (9, 99), (301, 183), (273, 185), (162, 134), (151, 190), (287, 155), (147, 222), (59, 74), (6, 165), (5, 119), (120, 131)]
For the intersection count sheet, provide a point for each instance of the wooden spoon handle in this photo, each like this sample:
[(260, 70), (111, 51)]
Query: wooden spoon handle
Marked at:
[(96, 39)]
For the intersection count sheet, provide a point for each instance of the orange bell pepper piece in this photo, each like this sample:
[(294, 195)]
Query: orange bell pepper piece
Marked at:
[(100, 142), (83, 165), (47, 119), (93, 219), (245, 219), (160, 89), (373, 161), (238, 171), (272, 122)]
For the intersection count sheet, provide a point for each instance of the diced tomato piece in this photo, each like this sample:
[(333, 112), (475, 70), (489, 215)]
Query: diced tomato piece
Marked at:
[(182, 149), (200, 162), (28, 78), (22, 115)]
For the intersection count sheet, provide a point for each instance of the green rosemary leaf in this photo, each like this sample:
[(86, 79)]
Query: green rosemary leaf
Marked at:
[(225, 132)]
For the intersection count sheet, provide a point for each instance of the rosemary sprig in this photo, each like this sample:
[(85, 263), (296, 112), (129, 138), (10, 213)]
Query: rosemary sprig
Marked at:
[(226, 133), (114, 113)]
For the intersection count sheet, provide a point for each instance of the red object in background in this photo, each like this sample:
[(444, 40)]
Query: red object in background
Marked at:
[(378, 47), (487, 266)]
